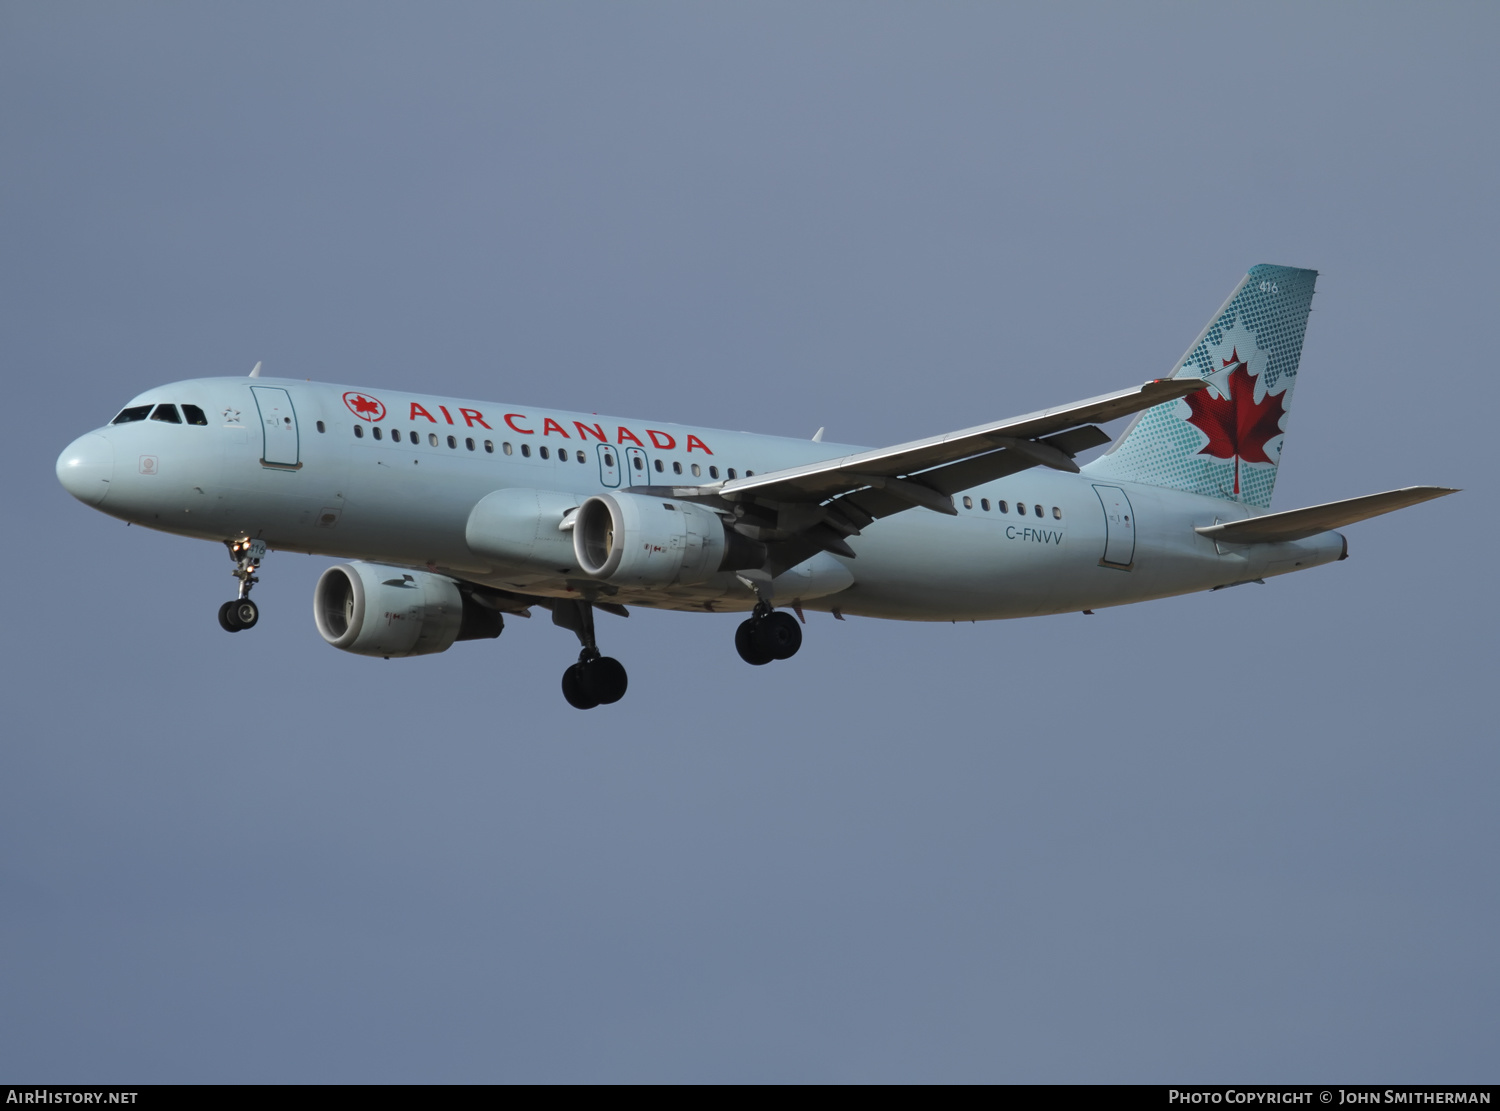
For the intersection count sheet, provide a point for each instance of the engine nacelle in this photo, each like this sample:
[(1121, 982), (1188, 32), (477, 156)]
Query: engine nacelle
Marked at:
[(636, 540), (518, 527), (376, 610)]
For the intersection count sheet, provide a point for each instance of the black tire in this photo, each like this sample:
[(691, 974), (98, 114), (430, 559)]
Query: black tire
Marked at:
[(778, 636), (747, 644), (605, 680), (573, 689), (226, 618), (244, 613)]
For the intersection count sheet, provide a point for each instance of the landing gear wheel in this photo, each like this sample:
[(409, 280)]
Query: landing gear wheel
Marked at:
[(778, 635), (574, 690), (605, 680), (747, 643), (239, 614)]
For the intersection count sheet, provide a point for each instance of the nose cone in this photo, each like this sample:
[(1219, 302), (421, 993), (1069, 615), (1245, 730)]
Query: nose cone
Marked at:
[(86, 467)]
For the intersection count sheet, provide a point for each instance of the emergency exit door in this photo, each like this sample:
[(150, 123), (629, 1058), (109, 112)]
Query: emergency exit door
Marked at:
[(1119, 527), (637, 467), (280, 444), (609, 465)]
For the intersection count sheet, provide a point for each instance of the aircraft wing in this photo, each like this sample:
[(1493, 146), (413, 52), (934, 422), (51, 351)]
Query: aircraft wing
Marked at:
[(803, 509), (1295, 524), (1026, 437)]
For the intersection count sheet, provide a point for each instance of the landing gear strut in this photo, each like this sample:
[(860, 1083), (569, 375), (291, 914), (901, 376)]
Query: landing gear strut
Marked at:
[(242, 613), (595, 680), (767, 635)]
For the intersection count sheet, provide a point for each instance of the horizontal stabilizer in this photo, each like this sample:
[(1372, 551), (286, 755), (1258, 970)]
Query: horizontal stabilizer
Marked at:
[(1295, 524)]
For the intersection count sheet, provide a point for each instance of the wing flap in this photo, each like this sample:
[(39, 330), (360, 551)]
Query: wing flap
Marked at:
[(1297, 524)]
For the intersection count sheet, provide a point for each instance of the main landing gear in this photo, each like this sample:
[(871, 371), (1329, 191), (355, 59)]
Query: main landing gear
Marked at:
[(596, 679), (768, 635), (242, 613)]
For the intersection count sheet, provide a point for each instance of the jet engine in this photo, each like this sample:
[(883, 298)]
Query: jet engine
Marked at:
[(376, 610), (637, 540)]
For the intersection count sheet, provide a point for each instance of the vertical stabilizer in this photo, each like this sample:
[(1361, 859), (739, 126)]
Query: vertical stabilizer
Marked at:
[(1226, 441)]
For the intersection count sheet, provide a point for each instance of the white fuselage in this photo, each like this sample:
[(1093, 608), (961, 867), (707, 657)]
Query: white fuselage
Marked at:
[(296, 475)]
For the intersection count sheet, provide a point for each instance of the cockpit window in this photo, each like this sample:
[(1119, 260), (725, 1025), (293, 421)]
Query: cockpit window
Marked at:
[(134, 413), (167, 413), (195, 415)]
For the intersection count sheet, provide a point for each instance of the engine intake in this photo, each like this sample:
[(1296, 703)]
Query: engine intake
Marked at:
[(376, 610), (637, 540)]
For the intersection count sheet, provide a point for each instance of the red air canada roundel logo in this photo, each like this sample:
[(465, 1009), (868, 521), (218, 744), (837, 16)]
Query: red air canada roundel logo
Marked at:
[(364, 406)]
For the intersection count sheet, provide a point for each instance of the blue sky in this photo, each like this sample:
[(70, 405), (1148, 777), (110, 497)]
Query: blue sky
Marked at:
[(1242, 836)]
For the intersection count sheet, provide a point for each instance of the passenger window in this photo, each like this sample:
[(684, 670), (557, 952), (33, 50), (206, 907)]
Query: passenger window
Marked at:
[(749, 474), (660, 466), (545, 453), (134, 413), (984, 504), (1056, 513), (1021, 508), (697, 471), (581, 457), (489, 447), (609, 460), (526, 451), (730, 472), (713, 472), (395, 435), (505, 447), (375, 432), (676, 466), (968, 503), (166, 414), (195, 415), (636, 462), (359, 432), (1039, 512), (469, 444), (453, 441), (432, 439)]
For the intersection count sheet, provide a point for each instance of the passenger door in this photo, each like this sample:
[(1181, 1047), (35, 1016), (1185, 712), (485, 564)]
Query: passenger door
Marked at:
[(1119, 528), (281, 445)]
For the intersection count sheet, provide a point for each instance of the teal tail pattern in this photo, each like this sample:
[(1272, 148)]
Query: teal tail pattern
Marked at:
[(1225, 441)]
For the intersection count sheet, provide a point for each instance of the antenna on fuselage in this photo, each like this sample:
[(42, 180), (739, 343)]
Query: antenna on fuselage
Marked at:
[(255, 373), (818, 436)]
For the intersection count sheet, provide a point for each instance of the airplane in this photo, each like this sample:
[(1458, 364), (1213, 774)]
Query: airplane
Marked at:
[(456, 513)]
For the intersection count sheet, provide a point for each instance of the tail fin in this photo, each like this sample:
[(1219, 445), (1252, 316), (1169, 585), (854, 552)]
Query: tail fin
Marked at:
[(1226, 441)]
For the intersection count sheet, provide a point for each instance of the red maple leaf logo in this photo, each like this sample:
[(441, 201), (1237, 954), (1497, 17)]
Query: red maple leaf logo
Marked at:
[(1238, 427), (365, 408)]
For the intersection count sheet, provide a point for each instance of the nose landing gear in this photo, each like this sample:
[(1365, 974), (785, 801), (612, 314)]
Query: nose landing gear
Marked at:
[(596, 679), (242, 613), (767, 635)]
